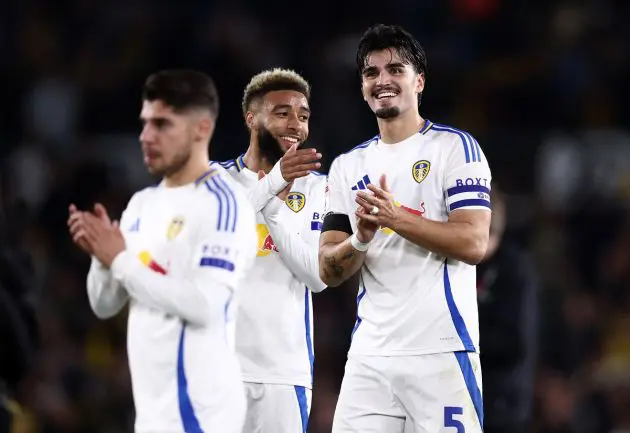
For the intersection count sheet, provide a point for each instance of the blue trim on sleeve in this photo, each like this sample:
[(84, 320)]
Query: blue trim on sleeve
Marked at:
[(214, 262), (469, 203)]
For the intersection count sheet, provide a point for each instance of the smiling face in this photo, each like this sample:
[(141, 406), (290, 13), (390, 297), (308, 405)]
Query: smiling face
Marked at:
[(280, 120), (389, 84)]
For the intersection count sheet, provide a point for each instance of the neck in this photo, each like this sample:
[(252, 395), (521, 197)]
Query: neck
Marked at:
[(194, 168), (253, 158), (401, 127)]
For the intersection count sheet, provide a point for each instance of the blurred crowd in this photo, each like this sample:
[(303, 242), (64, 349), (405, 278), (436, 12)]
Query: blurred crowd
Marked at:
[(540, 84)]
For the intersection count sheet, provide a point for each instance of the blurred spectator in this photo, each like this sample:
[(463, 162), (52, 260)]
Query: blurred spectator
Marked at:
[(542, 85), (18, 328), (507, 292)]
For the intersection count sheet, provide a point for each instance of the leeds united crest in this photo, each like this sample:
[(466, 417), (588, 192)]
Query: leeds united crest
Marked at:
[(420, 170), (175, 227), (295, 201)]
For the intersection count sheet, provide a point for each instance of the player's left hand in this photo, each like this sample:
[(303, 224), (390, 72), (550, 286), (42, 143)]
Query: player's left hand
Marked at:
[(380, 199), (105, 238)]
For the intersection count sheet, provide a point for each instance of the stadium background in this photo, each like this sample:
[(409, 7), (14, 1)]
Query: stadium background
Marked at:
[(541, 84)]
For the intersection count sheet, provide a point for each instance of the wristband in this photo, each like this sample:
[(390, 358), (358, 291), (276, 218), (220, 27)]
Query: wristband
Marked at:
[(275, 179), (357, 244)]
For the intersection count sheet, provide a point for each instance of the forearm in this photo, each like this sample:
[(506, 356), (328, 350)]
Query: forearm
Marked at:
[(105, 295), (266, 188), (180, 297), (338, 262), (299, 256), (455, 240)]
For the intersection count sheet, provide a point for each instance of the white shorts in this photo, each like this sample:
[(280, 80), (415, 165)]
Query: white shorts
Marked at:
[(276, 408), (438, 393), (226, 417)]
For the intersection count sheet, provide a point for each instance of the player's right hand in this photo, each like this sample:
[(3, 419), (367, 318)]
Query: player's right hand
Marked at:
[(101, 213), (282, 195), (76, 229), (76, 225), (365, 229), (297, 163)]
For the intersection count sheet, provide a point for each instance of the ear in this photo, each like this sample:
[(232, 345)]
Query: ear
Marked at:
[(250, 120), (420, 82), (363, 91), (205, 128)]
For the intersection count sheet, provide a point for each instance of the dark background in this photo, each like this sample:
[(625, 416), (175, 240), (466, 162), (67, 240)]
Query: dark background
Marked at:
[(541, 84)]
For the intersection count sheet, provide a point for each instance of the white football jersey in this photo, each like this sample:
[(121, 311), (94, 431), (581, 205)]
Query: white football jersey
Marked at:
[(188, 251), (274, 329), (412, 301)]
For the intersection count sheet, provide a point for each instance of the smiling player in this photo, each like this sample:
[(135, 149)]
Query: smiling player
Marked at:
[(413, 362), (274, 338)]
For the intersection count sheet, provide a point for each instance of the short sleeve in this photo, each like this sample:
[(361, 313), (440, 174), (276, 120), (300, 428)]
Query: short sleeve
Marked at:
[(467, 179), (334, 199)]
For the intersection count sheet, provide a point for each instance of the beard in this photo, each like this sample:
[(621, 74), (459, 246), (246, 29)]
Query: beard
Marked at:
[(387, 112), (270, 148), (178, 162)]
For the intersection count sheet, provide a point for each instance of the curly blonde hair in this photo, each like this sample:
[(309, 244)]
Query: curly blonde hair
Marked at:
[(272, 80)]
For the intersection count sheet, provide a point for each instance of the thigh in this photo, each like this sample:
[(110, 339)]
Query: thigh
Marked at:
[(254, 415), (229, 418), (440, 393), (285, 409), (366, 404)]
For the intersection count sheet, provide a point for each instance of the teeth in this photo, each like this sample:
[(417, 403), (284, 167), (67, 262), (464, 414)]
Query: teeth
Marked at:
[(385, 95), (289, 138)]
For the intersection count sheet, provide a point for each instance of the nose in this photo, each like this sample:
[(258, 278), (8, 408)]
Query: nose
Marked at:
[(384, 77), (293, 122), (146, 134)]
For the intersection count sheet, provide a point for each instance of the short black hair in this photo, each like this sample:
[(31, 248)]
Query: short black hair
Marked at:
[(273, 80), (183, 89), (382, 36)]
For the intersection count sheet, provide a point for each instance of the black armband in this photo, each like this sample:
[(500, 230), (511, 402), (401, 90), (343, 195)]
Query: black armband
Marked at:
[(337, 221)]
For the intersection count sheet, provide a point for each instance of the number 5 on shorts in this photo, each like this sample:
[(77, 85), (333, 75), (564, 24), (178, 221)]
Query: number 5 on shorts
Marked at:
[(450, 421)]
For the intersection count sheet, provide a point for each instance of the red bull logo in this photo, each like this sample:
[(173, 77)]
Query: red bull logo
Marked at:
[(419, 212), (265, 242)]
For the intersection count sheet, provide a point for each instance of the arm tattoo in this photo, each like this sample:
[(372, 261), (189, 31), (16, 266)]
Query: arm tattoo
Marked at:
[(336, 267)]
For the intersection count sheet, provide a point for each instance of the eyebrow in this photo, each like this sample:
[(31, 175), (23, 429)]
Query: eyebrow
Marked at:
[(389, 65), (144, 120), (285, 106)]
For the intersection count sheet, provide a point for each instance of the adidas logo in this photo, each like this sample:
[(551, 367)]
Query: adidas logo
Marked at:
[(135, 226), (362, 184)]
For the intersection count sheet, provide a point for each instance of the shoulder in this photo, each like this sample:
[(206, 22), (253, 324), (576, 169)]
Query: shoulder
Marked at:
[(312, 183), (140, 196), (315, 178), (352, 155), (361, 147), (217, 192), (458, 143), (219, 183), (231, 166)]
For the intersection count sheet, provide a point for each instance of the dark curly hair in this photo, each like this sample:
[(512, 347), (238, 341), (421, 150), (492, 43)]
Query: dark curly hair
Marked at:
[(382, 36)]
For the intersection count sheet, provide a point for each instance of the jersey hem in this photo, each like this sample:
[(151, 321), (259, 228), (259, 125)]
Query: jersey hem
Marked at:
[(278, 381), (411, 352)]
